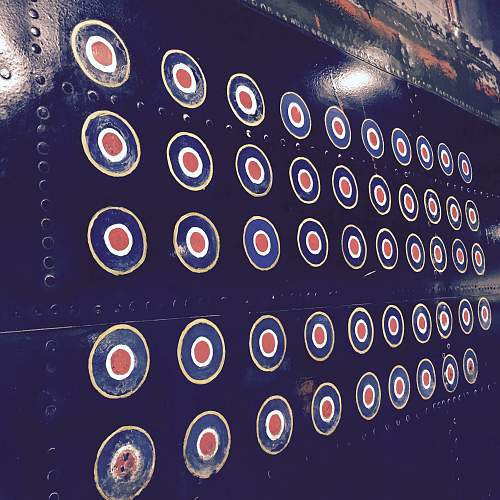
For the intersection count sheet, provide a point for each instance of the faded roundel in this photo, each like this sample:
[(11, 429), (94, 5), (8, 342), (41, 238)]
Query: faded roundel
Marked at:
[(368, 395), (484, 313), (326, 408), (421, 323), (424, 152), (245, 99), (445, 159), (472, 215), (190, 161), (372, 138), (415, 252), (201, 351), (401, 146), (319, 336), (438, 254), (254, 170), (465, 167), (432, 206), (110, 143), (459, 254), (345, 187), (399, 387), (393, 325), (470, 366), (387, 248), (408, 202), (125, 463), (450, 373), (313, 242), (274, 425), (477, 256), (380, 195), (261, 243), (100, 53), (117, 240), (119, 362), (183, 78), (295, 115), (206, 444), (305, 180), (444, 320), (354, 246), (454, 213), (465, 316), (196, 242), (360, 330), (338, 127), (267, 343), (426, 378)]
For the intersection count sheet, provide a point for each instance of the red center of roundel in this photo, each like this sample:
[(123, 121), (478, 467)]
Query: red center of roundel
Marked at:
[(409, 203), (319, 335), (415, 252), (465, 316), (422, 322), (254, 170), (470, 365), (465, 167), (380, 195), (479, 259), (472, 215), (326, 409), (313, 241), (426, 378), (372, 138), (361, 330), (450, 373), (387, 248), (424, 152), (208, 444), (275, 425), (245, 99), (432, 206), (393, 324), (125, 465), (401, 147), (268, 343), (443, 317), (399, 386), (446, 159), (112, 144), (120, 362), (345, 187), (118, 239), (197, 242), (261, 243), (202, 351), (295, 113), (454, 212), (484, 313), (102, 54), (184, 78), (190, 161), (369, 396), (460, 256), (438, 255), (305, 180), (354, 246), (338, 127)]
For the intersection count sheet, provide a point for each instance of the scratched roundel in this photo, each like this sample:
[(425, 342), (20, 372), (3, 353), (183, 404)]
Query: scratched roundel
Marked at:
[(399, 387), (470, 366), (354, 246), (295, 115), (484, 313), (305, 180), (465, 167), (380, 195), (421, 323), (206, 444), (424, 152), (100, 53), (189, 161), (245, 99), (368, 395), (445, 159), (119, 362), (393, 325), (444, 320), (274, 425), (465, 316), (415, 252), (454, 213), (196, 242), (254, 170), (319, 336), (450, 373), (438, 254), (125, 463), (426, 378), (432, 206), (267, 343), (401, 146), (472, 215), (459, 254), (326, 409), (345, 187), (338, 127), (477, 256), (201, 351), (387, 248), (110, 143), (261, 243), (372, 138), (183, 78), (117, 240), (313, 242), (360, 330), (408, 202)]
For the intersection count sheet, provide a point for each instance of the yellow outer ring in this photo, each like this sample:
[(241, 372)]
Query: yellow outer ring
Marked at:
[(308, 112), (347, 120), (362, 309), (413, 325), (309, 319), (376, 176), (408, 256), (252, 355), (438, 204), (315, 171), (261, 444), (333, 386), (471, 316), (466, 256), (448, 202), (364, 242), (433, 374), (451, 159), (379, 391), (415, 199), (396, 245), (445, 254), (457, 375), (478, 246), (393, 346), (394, 152), (250, 124), (471, 204), (389, 387), (437, 319), (251, 193), (479, 312), (326, 239), (340, 202), (477, 367), (258, 217)]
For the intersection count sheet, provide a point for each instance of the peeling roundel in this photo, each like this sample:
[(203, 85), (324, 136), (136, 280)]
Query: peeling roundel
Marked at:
[(261, 243), (338, 127), (372, 138), (465, 316), (201, 351), (368, 395), (274, 425), (484, 313), (117, 240), (399, 387), (196, 242), (345, 187), (459, 254), (445, 159), (295, 115), (393, 325), (432, 206), (189, 161), (408, 202), (470, 366), (454, 213), (387, 248), (477, 256), (206, 444), (426, 378), (100, 53), (401, 146), (267, 343), (421, 323), (438, 254), (360, 330), (354, 246), (254, 170), (465, 167), (245, 99), (472, 215), (415, 252), (110, 143), (444, 320), (326, 408), (450, 373), (313, 242), (125, 463), (305, 180), (380, 195), (183, 78), (424, 152), (319, 336)]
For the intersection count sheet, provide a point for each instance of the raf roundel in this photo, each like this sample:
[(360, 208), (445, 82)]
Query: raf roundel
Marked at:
[(387, 248), (408, 202), (415, 252), (484, 313), (313, 242), (432, 206), (454, 213), (319, 336), (421, 323), (372, 138), (295, 115), (360, 330), (465, 167), (426, 378), (254, 170), (338, 127), (393, 325), (245, 99), (424, 152), (465, 316), (450, 373), (470, 366), (401, 146), (459, 255), (478, 262), (354, 247), (345, 187), (267, 343), (274, 425), (445, 159), (399, 387), (380, 195), (368, 395), (326, 408), (444, 320), (305, 180), (472, 215), (261, 243), (438, 254)]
